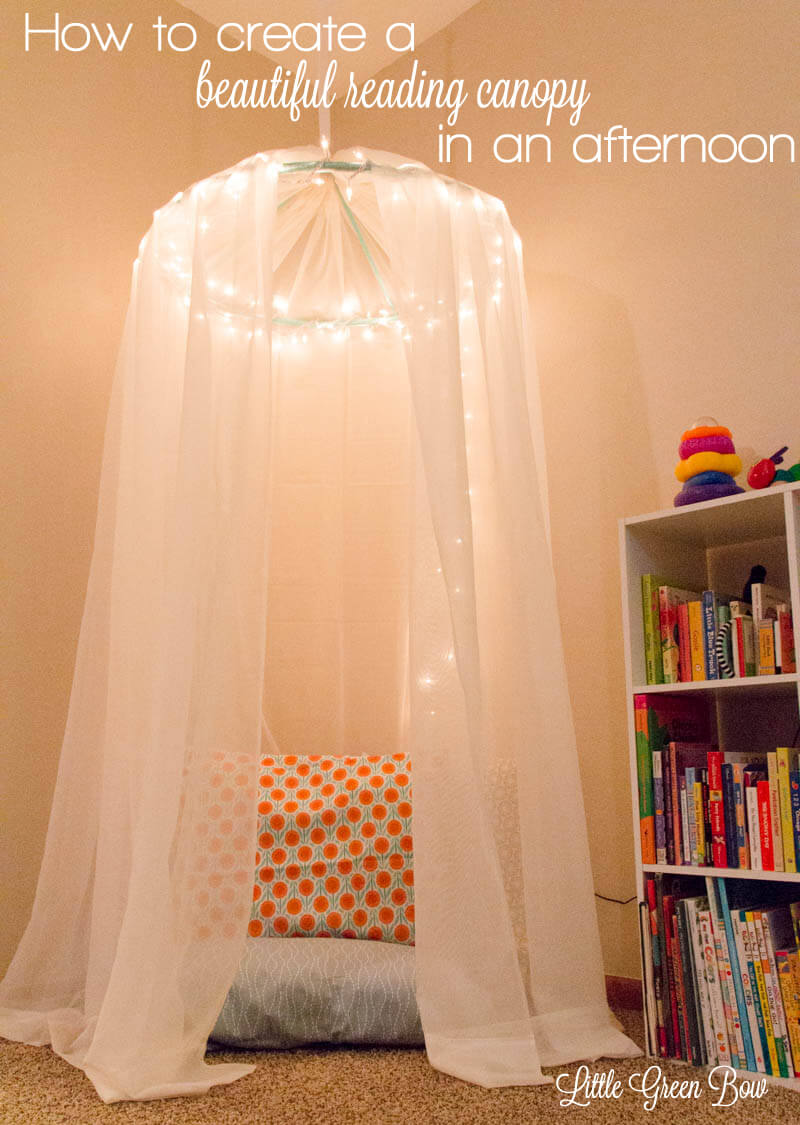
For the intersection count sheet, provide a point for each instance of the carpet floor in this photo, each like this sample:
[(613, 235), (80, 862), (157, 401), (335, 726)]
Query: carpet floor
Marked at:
[(341, 1086)]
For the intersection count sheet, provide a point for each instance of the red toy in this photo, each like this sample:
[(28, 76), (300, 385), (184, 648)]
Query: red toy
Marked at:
[(763, 472)]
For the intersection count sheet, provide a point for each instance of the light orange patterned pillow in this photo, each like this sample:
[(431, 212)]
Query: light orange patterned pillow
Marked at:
[(335, 849)]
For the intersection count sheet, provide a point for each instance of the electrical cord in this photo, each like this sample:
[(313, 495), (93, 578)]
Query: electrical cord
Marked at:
[(621, 901)]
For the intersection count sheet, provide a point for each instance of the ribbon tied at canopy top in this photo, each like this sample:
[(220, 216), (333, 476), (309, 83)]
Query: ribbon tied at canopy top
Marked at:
[(331, 266)]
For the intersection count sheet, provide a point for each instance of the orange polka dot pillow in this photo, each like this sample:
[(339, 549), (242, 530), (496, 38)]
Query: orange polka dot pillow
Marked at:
[(335, 851)]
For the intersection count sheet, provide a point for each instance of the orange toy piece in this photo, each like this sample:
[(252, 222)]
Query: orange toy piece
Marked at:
[(706, 431)]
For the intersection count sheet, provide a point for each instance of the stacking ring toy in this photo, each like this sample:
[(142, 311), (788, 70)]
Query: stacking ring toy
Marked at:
[(708, 463)]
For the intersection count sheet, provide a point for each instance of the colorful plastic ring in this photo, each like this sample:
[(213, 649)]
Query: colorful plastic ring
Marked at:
[(706, 431), (717, 443), (730, 463), (702, 492), (709, 477)]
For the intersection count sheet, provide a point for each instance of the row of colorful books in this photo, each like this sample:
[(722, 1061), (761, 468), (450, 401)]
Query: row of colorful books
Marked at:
[(722, 972), (700, 806), (703, 635)]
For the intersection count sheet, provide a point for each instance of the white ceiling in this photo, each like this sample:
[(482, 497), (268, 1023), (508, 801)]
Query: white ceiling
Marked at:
[(374, 15)]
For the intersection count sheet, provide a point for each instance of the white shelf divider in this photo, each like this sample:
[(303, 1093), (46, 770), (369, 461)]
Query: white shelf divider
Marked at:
[(740, 683), (724, 872)]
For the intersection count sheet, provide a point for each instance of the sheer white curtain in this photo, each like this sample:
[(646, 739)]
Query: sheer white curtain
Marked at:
[(508, 956), (361, 504), (138, 924)]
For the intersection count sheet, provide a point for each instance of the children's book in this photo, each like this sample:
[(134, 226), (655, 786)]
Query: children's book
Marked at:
[(659, 720), (742, 638), (786, 760), (752, 1012), (753, 829), (646, 942), (719, 836), (786, 634), (692, 907), (684, 644), (659, 984), (765, 600), (765, 826), (763, 930), (768, 663), (709, 603), (762, 922), (775, 810), (669, 598), (794, 795), (719, 1022), (685, 759), (718, 900), (652, 628), (791, 1003), (697, 639)]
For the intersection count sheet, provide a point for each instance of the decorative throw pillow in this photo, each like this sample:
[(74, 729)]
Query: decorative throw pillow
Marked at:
[(335, 851), (287, 993)]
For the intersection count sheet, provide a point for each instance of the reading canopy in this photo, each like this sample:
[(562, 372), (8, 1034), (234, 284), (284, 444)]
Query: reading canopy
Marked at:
[(320, 517)]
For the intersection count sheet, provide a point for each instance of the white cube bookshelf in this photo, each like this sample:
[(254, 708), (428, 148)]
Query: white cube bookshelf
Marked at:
[(712, 546)]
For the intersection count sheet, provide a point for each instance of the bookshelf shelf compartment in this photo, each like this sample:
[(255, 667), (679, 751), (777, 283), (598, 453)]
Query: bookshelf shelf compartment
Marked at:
[(745, 518), (683, 907), (709, 546)]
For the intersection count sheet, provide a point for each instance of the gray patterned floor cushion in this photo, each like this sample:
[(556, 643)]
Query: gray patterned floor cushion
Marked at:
[(291, 991)]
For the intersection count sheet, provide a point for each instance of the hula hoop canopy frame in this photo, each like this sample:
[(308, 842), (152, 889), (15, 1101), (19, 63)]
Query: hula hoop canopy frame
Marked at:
[(321, 500)]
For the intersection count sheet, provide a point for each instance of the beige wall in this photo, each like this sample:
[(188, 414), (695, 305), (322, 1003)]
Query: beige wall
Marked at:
[(659, 293), (93, 145)]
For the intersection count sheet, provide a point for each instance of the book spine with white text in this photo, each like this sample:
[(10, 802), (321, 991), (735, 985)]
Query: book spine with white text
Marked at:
[(763, 981), (693, 906), (773, 992), (714, 991), (709, 604), (718, 898), (750, 953), (794, 796), (729, 1004), (750, 1015)]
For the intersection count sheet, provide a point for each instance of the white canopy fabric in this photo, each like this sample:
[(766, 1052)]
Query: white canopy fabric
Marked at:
[(321, 499)]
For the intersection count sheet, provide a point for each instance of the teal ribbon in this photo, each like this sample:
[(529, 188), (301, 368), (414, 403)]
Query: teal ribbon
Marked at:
[(341, 166), (362, 243), (334, 165)]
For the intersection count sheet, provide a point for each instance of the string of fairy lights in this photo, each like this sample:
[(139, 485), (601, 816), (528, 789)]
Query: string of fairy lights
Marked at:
[(241, 315)]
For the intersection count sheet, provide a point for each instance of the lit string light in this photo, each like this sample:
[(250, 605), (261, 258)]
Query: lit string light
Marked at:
[(235, 184)]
